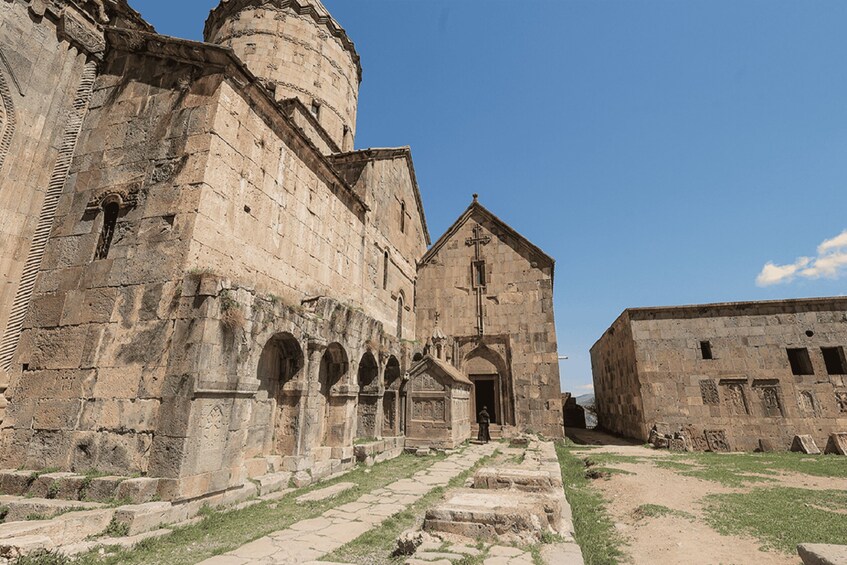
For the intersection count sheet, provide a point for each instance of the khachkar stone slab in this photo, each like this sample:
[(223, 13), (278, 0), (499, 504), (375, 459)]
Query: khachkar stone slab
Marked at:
[(805, 444), (822, 554), (837, 444)]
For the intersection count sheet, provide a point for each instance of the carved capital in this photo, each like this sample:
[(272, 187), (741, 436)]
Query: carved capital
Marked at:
[(81, 32)]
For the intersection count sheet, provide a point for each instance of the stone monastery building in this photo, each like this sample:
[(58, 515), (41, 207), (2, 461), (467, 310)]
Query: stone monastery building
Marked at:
[(737, 376), (203, 281)]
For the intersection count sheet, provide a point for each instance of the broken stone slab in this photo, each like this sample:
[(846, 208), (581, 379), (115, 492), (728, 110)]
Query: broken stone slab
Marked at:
[(13, 548), (138, 491), (410, 540), (41, 508), (530, 480), (302, 479), (501, 515), (805, 444), (127, 542), (325, 493), (273, 482), (822, 554), (837, 444), (562, 554)]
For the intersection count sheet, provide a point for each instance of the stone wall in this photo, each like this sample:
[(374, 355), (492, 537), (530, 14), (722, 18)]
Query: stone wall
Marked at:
[(745, 396), (617, 389), (519, 336), (45, 79), (94, 351)]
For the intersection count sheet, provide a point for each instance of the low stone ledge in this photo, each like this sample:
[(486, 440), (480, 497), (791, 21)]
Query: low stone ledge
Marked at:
[(21, 509), (530, 480), (822, 554), (274, 482), (325, 493), (138, 491)]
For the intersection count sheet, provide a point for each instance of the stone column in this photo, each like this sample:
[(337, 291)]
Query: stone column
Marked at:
[(311, 426)]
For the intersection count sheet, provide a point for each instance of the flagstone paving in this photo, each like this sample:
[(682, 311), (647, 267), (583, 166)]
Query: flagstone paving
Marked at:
[(308, 540)]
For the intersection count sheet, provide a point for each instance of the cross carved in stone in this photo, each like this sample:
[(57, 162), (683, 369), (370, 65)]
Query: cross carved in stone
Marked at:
[(478, 241)]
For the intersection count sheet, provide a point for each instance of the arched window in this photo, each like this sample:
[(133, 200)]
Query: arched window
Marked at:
[(111, 210), (385, 272)]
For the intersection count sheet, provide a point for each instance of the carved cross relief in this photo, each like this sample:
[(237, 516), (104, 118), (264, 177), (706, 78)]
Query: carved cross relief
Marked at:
[(478, 274)]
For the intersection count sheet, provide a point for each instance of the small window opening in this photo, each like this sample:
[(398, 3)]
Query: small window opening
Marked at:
[(479, 274), (801, 363), (385, 272), (110, 219), (706, 349), (316, 109), (400, 307), (402, 217), (833, 357)]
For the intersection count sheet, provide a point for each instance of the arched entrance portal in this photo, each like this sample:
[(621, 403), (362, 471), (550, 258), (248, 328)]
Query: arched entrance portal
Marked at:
[(334, 367), (366, 412), (391, 402), (280, 368), (491, 386)]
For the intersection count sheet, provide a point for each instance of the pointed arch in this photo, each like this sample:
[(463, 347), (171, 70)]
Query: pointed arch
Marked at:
[(492, 388)]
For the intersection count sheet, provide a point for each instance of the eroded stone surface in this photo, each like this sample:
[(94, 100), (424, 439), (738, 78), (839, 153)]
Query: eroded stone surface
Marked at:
[(822, 554)]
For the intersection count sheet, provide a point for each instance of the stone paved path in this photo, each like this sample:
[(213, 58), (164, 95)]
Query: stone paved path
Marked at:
[(308, 540)]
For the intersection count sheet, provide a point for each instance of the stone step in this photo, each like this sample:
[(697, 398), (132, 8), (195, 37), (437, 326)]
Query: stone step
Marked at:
[(325, 493), (496, 515), (72, 486), (520, 478), (21, 509), (273, 482), (20, 538)]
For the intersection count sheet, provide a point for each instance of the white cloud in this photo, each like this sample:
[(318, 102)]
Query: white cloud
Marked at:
[(831, 262), (587, 388)]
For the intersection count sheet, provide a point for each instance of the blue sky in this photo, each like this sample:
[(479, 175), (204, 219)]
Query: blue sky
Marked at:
[(663, 152)]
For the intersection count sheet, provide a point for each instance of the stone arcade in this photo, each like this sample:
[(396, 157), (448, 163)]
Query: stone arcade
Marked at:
[(204, 283)]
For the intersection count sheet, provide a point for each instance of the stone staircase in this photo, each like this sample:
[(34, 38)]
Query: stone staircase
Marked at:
[(496, 431)]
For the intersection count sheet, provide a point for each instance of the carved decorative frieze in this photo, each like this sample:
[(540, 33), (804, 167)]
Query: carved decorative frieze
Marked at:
[(82, 33), (709, 392)]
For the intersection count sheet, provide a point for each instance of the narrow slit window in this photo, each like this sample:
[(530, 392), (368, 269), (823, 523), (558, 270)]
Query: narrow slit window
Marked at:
[(111, 210), (833, 357), (801, 363), (479, 274), (402, 217), (385, 271), (316, 109), (706, 349)]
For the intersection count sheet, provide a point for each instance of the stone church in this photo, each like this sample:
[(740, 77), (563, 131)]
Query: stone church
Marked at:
[(204, 282)]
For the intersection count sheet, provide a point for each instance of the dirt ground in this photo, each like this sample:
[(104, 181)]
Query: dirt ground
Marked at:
[(670, 539)]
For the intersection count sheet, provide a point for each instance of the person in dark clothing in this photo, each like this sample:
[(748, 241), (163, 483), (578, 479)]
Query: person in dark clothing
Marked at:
[(484, 423)]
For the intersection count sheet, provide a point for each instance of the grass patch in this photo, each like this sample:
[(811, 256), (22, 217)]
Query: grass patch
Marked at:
[(375, 546), (657, 511), (223, 531), (780, 518), (43, 558), (595, 531)]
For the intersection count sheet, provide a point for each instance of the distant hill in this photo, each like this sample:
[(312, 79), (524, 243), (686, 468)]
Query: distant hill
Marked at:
[(590, 417)]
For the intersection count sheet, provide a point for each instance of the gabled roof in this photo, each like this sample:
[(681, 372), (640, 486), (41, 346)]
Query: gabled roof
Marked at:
[(477, 209), (449, 370), (350, 166)]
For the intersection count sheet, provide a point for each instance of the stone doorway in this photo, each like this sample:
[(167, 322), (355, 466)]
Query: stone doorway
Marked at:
[(333, 405), (280, 372), (486, 392), (366, 412)]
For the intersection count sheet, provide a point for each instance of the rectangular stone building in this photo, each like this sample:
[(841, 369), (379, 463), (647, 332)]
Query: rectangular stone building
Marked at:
[(736, 376)]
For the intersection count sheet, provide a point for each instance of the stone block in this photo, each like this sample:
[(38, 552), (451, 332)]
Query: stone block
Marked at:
[(531, 480), (102, 489), (302, 479), (837, 444), (822, 554), (511, 516), (138, 491), (141, 518), (28, 508), (273, 483), (256, 467), (57, 485), (16, 483), (805, 444)]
